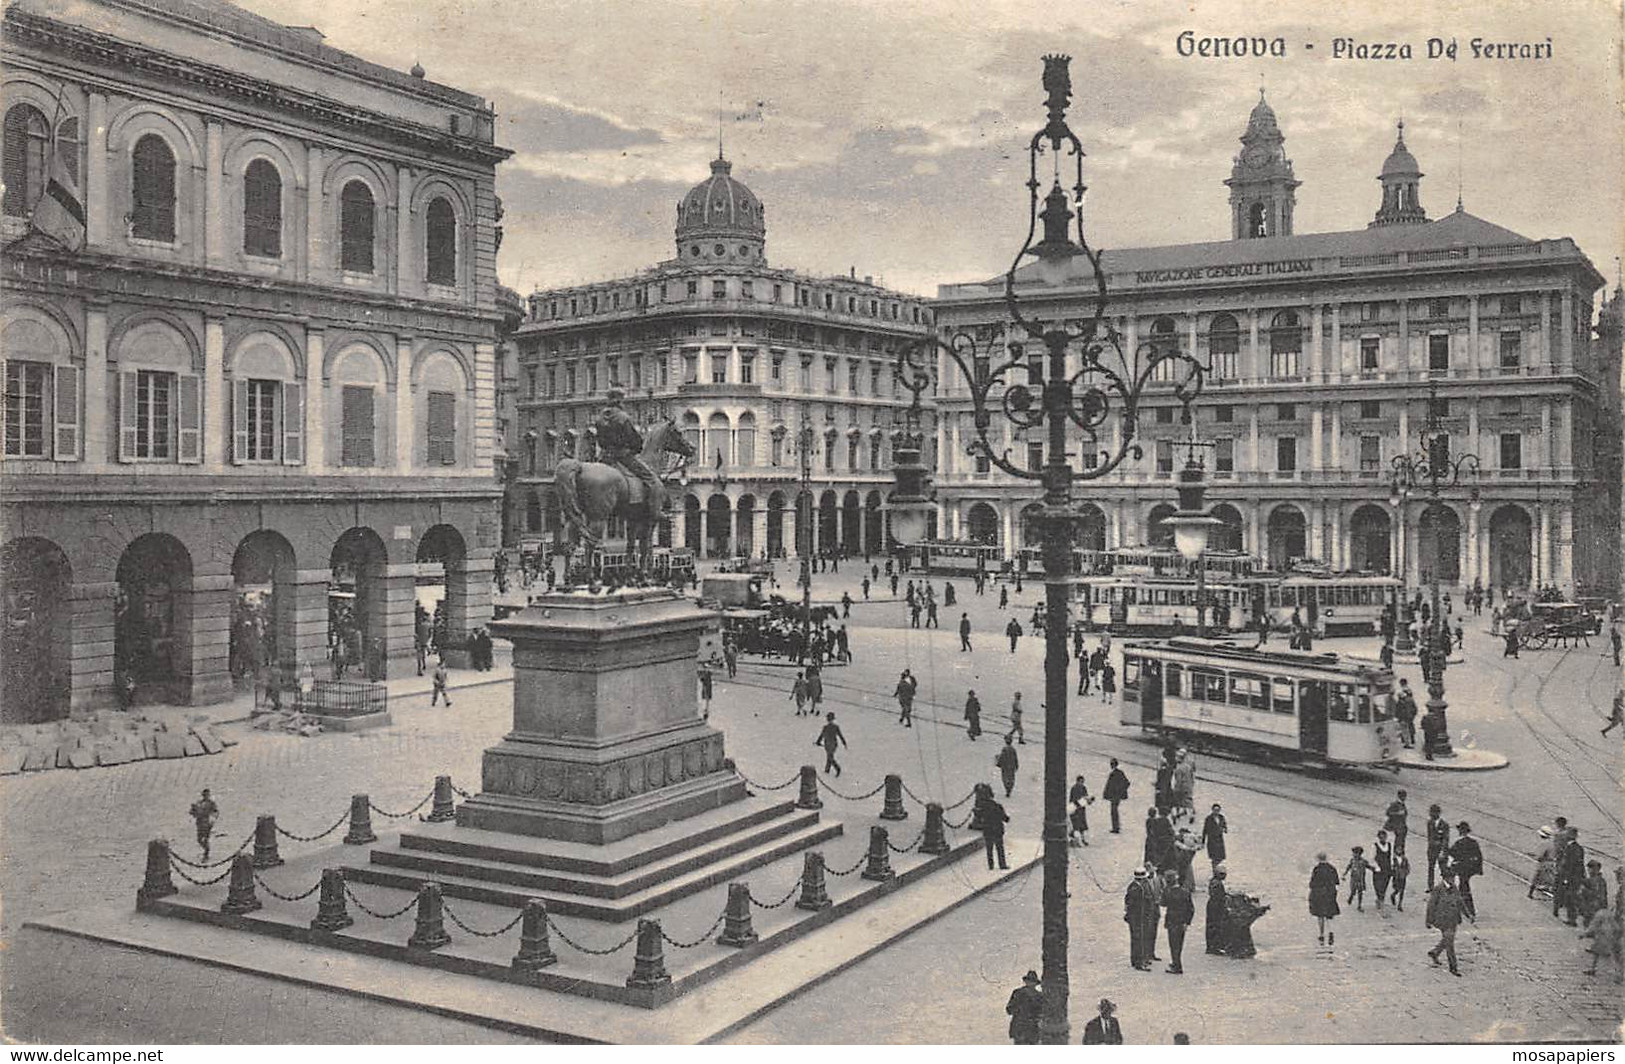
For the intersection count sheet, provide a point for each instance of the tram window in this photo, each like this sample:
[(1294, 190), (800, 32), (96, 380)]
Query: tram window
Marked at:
[(1207, 686), (1248, 690), (1274, 597), (1131, 675), (1363, 701), (1382, 703), (1340, 704), (1282, 691), (1172, 679)]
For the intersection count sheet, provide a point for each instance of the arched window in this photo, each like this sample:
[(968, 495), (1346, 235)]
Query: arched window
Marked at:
[(262, 209), (356, 227), (152, 190), (1164, 342), (1286, 344), (442, 242), (1223, 342), (1255, 221), (26, 136)]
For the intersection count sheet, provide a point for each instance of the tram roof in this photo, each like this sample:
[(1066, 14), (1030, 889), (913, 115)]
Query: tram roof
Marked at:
[(1217, 648)]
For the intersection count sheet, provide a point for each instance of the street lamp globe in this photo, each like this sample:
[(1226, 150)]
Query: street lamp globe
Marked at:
[(1191, 533)]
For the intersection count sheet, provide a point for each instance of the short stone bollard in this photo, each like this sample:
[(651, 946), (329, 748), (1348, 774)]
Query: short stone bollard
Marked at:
[(535, 947), (157, 883), (808, 798), (736, 924), (935, 842), (265, 845), (332, 911), (430, 932), (360, 832), (240, 895), (893, 809), (444, 808), (649, 964), (814, 892), (878, 866)]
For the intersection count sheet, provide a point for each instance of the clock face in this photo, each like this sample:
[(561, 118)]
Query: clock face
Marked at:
[(1255, 156)]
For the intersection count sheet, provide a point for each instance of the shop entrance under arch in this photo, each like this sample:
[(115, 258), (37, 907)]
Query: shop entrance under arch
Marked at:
[(152, 621)]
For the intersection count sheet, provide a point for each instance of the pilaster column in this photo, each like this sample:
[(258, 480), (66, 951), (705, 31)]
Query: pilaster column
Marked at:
[(1404, 426), (1543, 550), (1337, 436), (1255, 522), (1335, 371), (407, 281), (1316, 356), (1339, 559), (315, 401), (206, 609), (1396, 543), (1472, 425), (1405, 361), (1566, 321), (90, 647), (1253, 372), (1252, 439), (1544, 346), (1315, 439), (679, 526), (1475, 357), (468, 597), (758, 530), (98, 421), (1564, 457), (97, 206), (1413, 550), (316, 265), (1315, 535), (1543, 446), (302, 622), (215, 416), (1470, 571), (1114, 514), (1007, 520), (214, 205), (404, 429), (1563, 549), (397, 597)]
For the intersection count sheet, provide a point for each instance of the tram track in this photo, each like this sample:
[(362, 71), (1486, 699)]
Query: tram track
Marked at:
[(1513, 859), (1553, 749)]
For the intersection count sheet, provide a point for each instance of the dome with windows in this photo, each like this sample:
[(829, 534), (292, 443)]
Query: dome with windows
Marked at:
[(720, 220), (1400, 161)]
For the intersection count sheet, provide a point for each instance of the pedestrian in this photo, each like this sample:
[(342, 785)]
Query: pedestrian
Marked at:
[(1182, 782), (1445, 909), (1405, 711), (914, 614), (1159, 839), (1544, 878), (439, 681), (204, 813), (1108, 681), (1459, 633), (798, 694), (1178, 912), (1026, 1007), (964, 633), (1617, 641), (815, 689), (1214, 829), (1013, 632), (1386, 655), (1382, 860), (730, 657), (1593, 892), (1438, 830), (1604, 933), (1214, 924), (422, 631), (992, 820), (1569, 880), (1079, 796), (1355, 871), (1323, 884), (830, 737), (1402, 873), (1511, 650), (1104, 1029), (1467, 861), (973, 715), (846, 605), (705, 687), (1140, 913), (1495, 620), (1007, 763), (865, 586), (948, 596), (843, 645), (1617, 716), (931, 613), (1004, 596), (1015, 721), (893, 578), (904, 691), (908, 594), (1397, 818), (1115, 793)]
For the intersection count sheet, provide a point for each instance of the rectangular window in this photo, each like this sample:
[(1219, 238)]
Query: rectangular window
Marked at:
[(1511, 304), (1224, 455), (693, 288), (1511, 450), (1438, 352), (1281, 695), (1284, 364), (719, 369), (1286, 453), (1368, 312), (442, 428), (154, 414), (1511, 350), (1224, 366), (829, 375), (777, 371), (1370, 453), (1438, 308), (25, 408), (747, 369), (691, 367), (719, 289), (1370, 409), (356, 426), (778, 293), (806, 375), (1370, 353), (1172, 680), (592, 377), (1224, 413), (258, 427), (1165, 456), (1286, 411), (746, 290), (874, 380), (637, 372), (852, 371), (552, 382)]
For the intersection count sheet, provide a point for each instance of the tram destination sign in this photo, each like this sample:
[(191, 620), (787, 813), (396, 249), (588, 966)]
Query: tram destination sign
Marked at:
[(1223, 271)]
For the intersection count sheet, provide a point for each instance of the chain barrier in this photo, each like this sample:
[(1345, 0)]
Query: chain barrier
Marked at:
[(852, 797), (226, 860), (400, 816), (762, 787), (702, 940), (339, 823), (374, 913), (509, 926), (795, 888), (849, 871), (462, 794), (179, 871), (286, 897), (579, 948), (961, 825), (914, 797), (962, 801), (910, 847)]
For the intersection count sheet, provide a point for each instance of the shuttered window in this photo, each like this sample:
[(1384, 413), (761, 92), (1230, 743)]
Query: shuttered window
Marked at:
[(26, 392), (26, 136), (152, 213), (356, 227), (442, 428), (67, 413), (255, 426), (442, 243), (356, 419), (262, 209)]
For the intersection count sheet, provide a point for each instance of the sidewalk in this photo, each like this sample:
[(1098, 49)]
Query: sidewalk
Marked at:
[(241, 708)]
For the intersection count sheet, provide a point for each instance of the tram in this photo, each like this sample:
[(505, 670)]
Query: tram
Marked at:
[(1140, 603), (1322, 708), (1330, 603), (953, 557)]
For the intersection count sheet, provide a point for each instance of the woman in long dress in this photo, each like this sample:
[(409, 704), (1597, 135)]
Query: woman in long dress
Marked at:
[(1545, 864), (1323, 885)]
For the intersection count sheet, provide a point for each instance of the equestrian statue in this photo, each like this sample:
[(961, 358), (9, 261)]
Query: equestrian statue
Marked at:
[(624, 484)]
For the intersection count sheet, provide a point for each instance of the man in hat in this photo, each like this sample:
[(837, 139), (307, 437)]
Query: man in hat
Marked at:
[(1140, 913), (1116, 793), (1104, 1030), (1215, 911), (1569, 875), (1445, 912), (1397, 822), (1467, 861), (830, 737), (204, 813), (1026, 1007), (1438, 829), (1178, 912), (621, 445)]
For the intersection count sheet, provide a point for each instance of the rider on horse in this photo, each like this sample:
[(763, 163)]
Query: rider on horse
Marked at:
[(620, 444)]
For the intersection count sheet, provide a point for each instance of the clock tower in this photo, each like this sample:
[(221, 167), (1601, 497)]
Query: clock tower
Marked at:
[(1261, 181)]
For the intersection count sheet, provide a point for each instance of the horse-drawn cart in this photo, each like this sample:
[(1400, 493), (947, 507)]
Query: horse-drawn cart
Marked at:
[(1561, 624)]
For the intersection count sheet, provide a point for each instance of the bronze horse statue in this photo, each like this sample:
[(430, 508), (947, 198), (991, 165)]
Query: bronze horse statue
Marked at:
[(591, 492)]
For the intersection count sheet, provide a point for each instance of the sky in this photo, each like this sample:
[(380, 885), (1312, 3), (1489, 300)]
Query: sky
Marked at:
[(888, 136)]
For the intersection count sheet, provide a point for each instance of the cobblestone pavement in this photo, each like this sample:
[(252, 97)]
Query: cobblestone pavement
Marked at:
[(74, 839)]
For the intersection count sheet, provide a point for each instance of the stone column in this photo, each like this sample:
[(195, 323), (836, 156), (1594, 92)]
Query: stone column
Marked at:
[(1337, 436), (99, 420), (1405, 361), (758, 529), (1339, 558), (1396, 545), (303, 640), (1404, 426), (316, 266), (1315, 535), (206, 609), (1563, 459), (1316, 360), (1543, 550), (216, 418), (1470, 571), (1253, 458), (1253, 371), (397, 595), (97, 203), (1566, 321), (679, 524), (1563, 550), (468, 596), (405, 280), (1255, 538), (1543, 445), (1336, 370), (1315, 439), (1472, 424), (90, 649), (1008, 525)]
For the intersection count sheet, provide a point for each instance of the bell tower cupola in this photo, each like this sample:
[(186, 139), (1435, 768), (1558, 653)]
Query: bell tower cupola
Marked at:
[(1261, 182), (1401, 181)]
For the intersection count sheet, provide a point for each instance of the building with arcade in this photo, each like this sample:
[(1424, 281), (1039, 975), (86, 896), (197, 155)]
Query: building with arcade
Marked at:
[(742, 357), (249, 361), (1322, 349)]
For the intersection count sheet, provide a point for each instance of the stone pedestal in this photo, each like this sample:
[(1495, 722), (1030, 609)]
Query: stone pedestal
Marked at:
[(607, 738)]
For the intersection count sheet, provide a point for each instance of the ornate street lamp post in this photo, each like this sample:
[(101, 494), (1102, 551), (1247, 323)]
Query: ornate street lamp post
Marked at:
[(1434, 469), (1193, 523), (1050, 395)]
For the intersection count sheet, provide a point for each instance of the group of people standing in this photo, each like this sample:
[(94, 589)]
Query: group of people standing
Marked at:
[(1579, 893)]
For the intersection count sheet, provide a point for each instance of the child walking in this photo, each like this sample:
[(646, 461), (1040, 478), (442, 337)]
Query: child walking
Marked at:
[(1358, 866), (1402, 872)]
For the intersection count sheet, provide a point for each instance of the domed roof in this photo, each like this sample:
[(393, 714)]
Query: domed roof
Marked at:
[(1400, 161), (1262, 119), (720, 203)]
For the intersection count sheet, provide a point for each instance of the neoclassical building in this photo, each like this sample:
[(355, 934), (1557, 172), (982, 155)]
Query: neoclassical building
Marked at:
[(262, 372), (1321, 348), (741, 355)]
